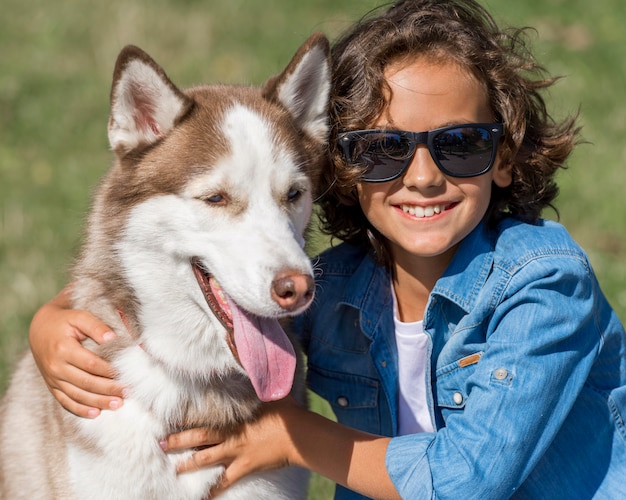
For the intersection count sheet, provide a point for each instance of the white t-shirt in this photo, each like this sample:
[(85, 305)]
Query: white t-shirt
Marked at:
[(412, 343)]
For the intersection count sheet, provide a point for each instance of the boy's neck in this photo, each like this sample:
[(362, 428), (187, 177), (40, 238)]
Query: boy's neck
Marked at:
[(411, 295), (413, 280)]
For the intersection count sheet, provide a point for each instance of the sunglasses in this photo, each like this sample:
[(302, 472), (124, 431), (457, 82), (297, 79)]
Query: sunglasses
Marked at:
[(464, 150)]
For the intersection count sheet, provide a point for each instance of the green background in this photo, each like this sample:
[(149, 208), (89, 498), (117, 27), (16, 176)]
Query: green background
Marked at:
[(56, 60)]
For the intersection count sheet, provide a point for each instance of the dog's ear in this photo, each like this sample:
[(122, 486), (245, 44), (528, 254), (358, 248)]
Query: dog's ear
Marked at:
[(145, 104), (304, 86)]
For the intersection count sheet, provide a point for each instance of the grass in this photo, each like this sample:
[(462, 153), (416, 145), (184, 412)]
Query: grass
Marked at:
[(55, 68)]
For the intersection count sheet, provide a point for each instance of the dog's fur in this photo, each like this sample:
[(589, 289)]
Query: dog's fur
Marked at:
[(211, 181)]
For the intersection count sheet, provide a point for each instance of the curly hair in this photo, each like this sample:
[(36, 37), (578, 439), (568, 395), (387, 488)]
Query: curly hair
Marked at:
[(533, 145)]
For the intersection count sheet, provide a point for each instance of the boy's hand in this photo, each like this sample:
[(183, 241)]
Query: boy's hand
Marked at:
[(80, 380)]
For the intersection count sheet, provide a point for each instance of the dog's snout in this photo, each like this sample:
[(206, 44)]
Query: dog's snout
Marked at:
[(292, 291)]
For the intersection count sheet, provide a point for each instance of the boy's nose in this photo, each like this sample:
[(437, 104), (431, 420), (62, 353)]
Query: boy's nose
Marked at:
[(422, 172)]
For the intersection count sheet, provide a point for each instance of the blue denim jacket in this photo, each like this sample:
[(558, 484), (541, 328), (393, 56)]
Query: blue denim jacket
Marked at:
[(528, 368)]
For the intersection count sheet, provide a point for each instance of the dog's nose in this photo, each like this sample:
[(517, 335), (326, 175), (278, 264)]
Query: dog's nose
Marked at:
[(292, 291)]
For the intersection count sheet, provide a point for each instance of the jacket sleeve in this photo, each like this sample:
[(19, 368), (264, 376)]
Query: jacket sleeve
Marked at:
[(539, 346)]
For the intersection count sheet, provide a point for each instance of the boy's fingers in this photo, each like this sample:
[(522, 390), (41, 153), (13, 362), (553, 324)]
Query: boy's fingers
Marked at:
[(230, 476), (74, 407), (213, 455), (87, 361), (88, 325), (196, 461), (192, 438), (99, 395), (82, 368)]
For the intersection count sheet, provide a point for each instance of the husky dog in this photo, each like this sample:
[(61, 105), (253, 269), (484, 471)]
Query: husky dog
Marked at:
[(193, 251)]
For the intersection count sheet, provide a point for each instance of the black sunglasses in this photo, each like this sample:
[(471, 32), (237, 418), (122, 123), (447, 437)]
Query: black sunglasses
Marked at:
[(464, 150)]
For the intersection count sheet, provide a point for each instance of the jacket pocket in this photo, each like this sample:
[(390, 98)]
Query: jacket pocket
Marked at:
[(452, 387), (354, 399)]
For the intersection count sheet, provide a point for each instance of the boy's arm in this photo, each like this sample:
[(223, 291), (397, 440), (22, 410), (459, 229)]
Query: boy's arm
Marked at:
[(287, 434)]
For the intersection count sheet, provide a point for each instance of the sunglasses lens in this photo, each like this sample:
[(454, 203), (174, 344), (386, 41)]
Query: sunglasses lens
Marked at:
[(459, 151), (464, 151), (383, 154)]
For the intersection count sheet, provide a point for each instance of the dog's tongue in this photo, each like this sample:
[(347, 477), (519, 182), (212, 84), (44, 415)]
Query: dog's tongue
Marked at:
[(265, 353)]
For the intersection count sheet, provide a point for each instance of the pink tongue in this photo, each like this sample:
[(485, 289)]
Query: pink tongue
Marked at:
[(265, 353)]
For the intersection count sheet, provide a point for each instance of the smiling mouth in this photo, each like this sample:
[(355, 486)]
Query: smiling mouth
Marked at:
[(425, 212)]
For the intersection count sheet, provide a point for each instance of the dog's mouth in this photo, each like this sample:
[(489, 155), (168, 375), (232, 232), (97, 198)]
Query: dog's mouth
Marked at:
[(216, 300), (258, 344)]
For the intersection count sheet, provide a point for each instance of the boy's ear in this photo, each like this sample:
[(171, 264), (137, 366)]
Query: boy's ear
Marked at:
[(502, 174)]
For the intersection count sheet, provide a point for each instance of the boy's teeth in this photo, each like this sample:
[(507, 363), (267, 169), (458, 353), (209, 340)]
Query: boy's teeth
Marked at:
[(418, 211)]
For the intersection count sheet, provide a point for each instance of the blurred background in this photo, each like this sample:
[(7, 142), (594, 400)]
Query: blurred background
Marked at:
[(56, 61)]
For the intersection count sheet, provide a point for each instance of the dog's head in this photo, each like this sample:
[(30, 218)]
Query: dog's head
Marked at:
[(206, 208)]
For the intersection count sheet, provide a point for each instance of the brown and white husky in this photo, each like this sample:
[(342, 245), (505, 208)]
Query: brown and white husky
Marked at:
[(194, 249)]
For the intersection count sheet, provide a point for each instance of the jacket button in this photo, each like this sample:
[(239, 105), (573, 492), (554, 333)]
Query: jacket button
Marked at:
[(342, 401), (501, 374), (457, 398)]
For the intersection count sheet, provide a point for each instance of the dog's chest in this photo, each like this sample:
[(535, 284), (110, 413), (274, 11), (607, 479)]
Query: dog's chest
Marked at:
[(179, 400), (130, 436), (159, 403)]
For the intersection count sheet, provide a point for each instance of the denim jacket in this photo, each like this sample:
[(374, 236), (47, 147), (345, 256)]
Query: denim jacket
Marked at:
[(527, 368)]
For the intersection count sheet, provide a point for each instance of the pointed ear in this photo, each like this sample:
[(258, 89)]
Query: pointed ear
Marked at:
[(145, 104), (304, 86)]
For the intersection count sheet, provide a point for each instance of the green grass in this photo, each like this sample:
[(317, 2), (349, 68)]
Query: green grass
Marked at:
[(56, 60)]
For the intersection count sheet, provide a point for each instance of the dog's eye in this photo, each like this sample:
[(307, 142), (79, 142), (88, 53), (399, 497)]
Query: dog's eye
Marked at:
[(216, 199), (293, 194)]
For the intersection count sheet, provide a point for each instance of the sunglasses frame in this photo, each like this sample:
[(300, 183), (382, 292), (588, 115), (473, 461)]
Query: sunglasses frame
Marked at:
[(496, 130)]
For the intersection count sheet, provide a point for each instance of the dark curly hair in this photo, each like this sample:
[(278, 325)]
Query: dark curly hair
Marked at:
[(534, 145)]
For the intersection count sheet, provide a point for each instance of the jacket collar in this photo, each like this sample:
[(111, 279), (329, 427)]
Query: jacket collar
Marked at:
[(469, 269), (369, 288)]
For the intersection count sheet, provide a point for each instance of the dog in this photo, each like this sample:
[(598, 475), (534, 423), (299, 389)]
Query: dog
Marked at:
[(193, 252)]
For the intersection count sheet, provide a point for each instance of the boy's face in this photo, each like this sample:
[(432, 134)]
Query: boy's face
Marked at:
[(424, 213)]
